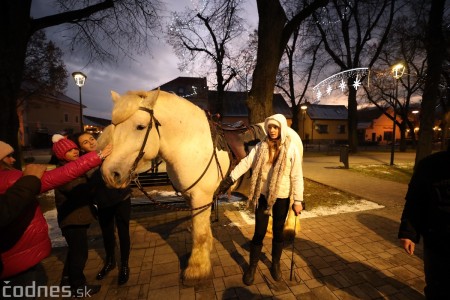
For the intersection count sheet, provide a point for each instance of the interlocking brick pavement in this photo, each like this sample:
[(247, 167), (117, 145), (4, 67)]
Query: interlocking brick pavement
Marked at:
[(346, 256)]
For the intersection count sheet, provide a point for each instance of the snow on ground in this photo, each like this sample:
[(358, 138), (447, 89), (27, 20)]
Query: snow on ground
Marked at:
[(353, 206)]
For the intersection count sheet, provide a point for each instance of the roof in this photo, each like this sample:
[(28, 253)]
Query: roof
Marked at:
[(235, 104), (32, 87), (368, 114), (327, 112), (94, 121)]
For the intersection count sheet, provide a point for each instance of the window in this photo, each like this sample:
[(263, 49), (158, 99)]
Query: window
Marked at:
[(322, 128), (341, 129), (76, 119), (66, 118)]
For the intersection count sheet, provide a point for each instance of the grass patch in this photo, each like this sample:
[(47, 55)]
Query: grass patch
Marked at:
[(399, 172), (319, 195)]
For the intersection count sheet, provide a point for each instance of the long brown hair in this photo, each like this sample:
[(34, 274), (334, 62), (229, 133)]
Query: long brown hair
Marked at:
[(274, 150)]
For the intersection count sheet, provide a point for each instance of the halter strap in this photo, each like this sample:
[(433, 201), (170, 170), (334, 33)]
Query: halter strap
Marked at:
[(141, 151)]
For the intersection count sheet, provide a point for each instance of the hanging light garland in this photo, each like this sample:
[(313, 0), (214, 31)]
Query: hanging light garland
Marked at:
[(339, 81)]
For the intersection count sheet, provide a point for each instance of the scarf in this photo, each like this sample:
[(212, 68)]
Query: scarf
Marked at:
[(262, 156)]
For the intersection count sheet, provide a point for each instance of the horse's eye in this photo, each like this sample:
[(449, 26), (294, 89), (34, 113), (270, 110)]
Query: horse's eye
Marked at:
[(140, 127)]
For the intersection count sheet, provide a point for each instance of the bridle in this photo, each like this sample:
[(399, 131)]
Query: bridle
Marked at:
[(132, 174)]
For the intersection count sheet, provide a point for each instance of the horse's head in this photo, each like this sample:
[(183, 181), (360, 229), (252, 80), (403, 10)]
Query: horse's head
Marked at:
[(133, 133)]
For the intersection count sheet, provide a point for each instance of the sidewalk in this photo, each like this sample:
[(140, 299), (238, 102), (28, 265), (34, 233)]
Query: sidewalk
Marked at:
[(346, 256)]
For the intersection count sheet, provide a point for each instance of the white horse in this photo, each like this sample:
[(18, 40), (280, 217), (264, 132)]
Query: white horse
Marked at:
[(147, 124)]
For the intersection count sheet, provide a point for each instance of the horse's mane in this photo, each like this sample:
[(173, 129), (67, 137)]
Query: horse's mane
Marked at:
[(106, 137), (128, 105)]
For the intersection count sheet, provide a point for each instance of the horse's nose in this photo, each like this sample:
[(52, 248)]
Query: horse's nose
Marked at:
[(117, 178)]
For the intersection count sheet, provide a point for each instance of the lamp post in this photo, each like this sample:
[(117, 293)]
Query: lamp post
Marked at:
[(397, 73), (304, 107), (80, 79)]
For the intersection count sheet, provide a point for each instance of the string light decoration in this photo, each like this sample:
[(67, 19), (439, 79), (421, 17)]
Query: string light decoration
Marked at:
[(339, 81), (343, 9)]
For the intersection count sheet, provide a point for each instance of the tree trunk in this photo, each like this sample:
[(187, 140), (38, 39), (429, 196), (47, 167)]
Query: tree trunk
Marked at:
[(15, 33), (270, 28), (435, 45), (352, 117)]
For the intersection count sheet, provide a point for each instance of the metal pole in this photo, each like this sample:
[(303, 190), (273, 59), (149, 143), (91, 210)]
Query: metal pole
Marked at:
[(293, 248), (81, 113), (394, 125)]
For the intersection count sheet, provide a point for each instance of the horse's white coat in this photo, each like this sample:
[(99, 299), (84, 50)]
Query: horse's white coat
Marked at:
[(185, 144)]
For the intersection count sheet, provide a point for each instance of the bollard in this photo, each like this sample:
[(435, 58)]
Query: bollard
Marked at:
[(344, 150)]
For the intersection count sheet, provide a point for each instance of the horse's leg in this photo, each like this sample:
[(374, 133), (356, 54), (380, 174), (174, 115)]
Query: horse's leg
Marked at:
[(199, 265)]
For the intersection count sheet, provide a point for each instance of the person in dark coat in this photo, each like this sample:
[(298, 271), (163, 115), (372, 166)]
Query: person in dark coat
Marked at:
[(427, 214), (114, 210), (20, 196), (75, 214)]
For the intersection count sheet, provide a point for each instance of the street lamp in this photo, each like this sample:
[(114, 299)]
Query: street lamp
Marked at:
[(397, 73), (304, 107), (80, 79)]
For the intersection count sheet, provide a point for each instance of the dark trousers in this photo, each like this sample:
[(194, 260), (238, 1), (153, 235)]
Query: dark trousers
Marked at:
[(77, 253), (279, 214), (436, 259), (116, 215)]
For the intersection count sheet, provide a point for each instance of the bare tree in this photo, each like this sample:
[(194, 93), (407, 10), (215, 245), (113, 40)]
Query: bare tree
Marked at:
[(354, 32), (404, 46), (103, 30), (44, 66), (296, 70), (208, 33), (274, 32), (436, 50)]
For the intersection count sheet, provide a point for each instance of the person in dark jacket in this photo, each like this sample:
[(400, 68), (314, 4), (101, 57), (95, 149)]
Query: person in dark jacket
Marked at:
[(75, 214), (114, 210), (20, 196), (427, 214)]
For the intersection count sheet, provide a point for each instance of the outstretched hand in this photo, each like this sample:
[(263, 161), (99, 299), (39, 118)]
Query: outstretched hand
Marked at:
[(106, 151), (224, 185), (34, 170)]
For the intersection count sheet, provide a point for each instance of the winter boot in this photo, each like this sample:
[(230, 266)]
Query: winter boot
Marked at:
[(110, 264), (275, 269), (249, 274), (124, 273)]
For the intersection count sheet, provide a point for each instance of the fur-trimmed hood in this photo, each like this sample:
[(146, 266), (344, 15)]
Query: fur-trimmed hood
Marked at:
[(281, 120)]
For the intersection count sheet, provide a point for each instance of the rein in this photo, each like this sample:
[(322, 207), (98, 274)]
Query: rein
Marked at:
[(134, 176)]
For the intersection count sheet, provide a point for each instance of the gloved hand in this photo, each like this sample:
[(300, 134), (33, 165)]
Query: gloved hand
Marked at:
[(224, 185), (298, 206)]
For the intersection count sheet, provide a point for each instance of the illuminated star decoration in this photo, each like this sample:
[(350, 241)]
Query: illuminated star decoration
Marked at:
[(319, 94), (329, 90), (357, 83), (342, 85)]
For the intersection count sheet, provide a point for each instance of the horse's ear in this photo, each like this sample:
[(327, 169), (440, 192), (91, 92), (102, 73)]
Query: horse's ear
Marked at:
[(151, 98), (115, 96)]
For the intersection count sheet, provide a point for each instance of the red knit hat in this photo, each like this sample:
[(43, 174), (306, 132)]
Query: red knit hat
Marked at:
[(62, 145)]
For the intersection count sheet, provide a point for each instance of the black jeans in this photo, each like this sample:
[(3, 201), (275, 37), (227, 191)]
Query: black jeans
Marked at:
[(118, 215), (77, 253), (279, 214), (436, 259)]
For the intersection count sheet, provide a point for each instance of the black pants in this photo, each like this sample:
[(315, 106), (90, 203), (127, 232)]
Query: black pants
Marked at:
[(77, 253), (118, 215), (436, 259), (279, 213)]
